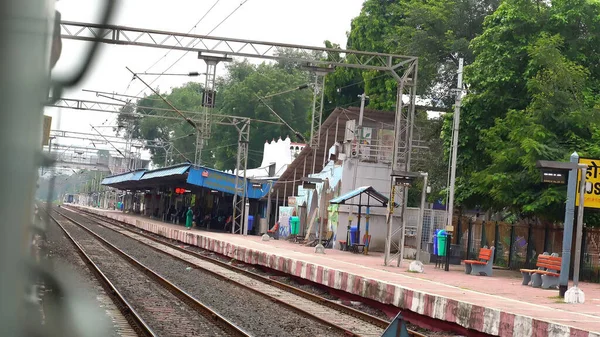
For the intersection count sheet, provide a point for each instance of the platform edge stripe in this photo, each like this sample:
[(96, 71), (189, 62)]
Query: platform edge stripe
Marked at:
[(593, 334), (558, 330), (540, 328), (398, 296), (337, 280), (491, 321), (463, 314), (420, 307), (523, 326), (304, 269), (476, 318)]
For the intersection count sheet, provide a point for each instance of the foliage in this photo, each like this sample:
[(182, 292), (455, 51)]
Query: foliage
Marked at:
[(239, 92), (437, 31), (533, 88), (237, 95)]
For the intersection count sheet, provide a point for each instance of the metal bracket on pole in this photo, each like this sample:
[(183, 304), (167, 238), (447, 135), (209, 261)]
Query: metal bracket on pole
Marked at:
[(208, 102), (239, 224)]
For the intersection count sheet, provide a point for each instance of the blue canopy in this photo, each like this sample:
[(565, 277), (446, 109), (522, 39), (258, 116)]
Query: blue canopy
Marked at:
[(166, 172)]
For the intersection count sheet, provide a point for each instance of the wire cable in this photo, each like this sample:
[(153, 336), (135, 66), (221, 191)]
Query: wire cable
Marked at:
[(170, 50), (199, 40)]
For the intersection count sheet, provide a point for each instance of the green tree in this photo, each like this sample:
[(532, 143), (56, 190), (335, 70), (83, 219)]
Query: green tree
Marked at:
[(175, 130), (239, 96), (437, 31), (533, 95), (236, 96)]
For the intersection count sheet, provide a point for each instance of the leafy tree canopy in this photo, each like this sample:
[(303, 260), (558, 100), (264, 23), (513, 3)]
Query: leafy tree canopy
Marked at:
[(237, 95), (533, 90), (437, 31)]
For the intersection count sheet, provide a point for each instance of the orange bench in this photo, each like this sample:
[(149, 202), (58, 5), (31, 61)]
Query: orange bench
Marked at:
[(274, 232), (547, 274), (483, 265)]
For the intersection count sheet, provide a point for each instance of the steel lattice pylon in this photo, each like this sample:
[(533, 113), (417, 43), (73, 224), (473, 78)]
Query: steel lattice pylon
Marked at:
[(208, 102), (317, 110), (405, 114), (241, 187)]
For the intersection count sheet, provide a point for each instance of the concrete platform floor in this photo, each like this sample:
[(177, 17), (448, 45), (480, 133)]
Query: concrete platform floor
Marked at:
[(497, 305)]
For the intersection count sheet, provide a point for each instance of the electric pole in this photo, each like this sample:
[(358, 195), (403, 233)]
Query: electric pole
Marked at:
[(455, 128)]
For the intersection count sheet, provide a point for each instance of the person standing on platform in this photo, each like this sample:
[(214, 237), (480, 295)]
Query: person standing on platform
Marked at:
[(189, 216)]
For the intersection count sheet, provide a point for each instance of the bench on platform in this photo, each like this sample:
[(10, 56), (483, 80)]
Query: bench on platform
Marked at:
[(529, 275), (547, 273), (483, 265)]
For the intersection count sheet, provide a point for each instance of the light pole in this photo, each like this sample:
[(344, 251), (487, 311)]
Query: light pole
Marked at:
[(574, 294), (455, 128), (421, 216), (556, 173)]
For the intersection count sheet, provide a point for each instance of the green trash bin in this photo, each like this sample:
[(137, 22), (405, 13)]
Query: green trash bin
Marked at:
[(294, 225), (442, 238)]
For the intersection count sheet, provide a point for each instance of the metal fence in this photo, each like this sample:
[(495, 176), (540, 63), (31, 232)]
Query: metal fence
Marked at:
[(518, 245)]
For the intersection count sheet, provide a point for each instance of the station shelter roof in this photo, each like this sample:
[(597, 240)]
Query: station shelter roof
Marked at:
[(185, 174), (123, 179), (356, 198)]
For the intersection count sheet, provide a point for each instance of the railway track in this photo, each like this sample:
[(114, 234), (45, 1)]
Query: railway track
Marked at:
[(355, 322), (157, 306)]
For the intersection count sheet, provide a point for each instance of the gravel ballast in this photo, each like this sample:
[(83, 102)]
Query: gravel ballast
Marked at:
[(66, 261), (162, 311), (252, 312)]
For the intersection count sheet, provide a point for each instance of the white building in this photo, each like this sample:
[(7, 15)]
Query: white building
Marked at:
[(348, 162)]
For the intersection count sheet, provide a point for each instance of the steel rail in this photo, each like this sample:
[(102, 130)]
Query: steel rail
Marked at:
[(226, 279), (286, 287), (178, 292), (126, 309)]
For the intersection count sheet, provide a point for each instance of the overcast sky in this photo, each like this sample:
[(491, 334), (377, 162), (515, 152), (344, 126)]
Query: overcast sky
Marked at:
[(308, 22)]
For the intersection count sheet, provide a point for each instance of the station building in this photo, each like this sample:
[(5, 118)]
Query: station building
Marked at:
[(342, 167)]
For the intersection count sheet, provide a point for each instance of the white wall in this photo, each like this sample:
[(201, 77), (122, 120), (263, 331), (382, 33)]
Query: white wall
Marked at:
[(378, 176)]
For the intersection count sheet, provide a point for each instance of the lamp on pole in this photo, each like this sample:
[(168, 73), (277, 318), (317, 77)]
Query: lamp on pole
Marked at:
[(421, 215), (557, 173)]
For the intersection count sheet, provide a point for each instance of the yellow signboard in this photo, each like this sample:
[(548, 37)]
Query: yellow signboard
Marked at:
[(46, 131), (591, 197)]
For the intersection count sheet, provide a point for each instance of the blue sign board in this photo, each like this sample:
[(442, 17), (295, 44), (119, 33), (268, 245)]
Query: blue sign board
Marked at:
[(223, 182)]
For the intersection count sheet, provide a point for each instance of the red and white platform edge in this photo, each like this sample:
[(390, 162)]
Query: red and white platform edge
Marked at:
[(493, 313)]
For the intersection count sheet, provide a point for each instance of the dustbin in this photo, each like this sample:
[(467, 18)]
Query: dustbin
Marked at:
[(442, 239), (294, 225), (354, 235), (250, 222)]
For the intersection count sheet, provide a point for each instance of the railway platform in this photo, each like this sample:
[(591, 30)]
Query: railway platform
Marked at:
[(497, 305)]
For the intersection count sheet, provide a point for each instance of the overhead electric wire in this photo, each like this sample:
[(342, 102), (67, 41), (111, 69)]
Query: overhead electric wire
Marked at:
[(189, 31), (200, 40), (189, 121), (298, 134), (98, 92), (101, 135), (170, 50)]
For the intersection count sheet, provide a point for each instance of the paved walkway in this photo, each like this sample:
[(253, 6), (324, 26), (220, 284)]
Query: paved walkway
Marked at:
[(497, 305)]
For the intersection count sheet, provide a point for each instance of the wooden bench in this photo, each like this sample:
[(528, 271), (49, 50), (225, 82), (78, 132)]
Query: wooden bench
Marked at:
[(483, 265), (547, 274)]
